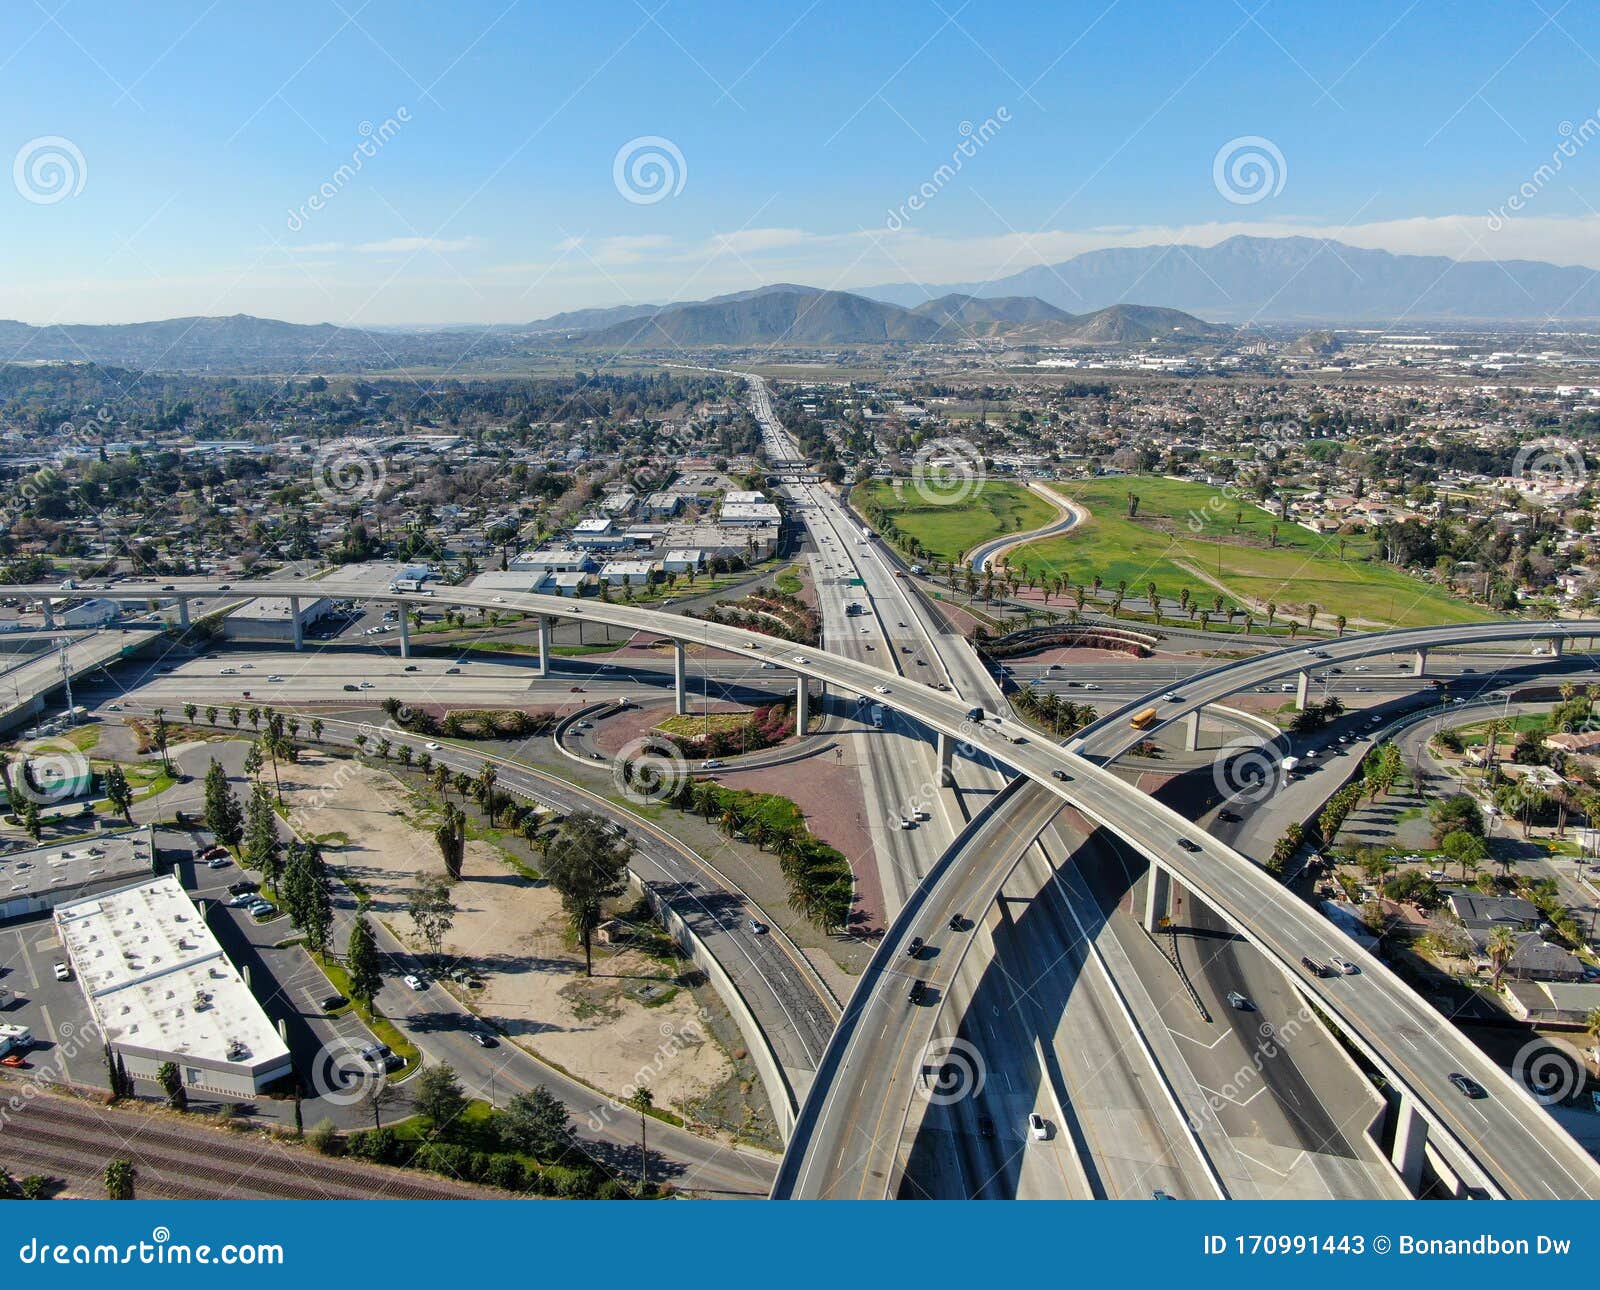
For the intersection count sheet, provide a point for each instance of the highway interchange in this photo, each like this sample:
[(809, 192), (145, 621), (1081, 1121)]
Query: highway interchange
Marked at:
[(951, 898)]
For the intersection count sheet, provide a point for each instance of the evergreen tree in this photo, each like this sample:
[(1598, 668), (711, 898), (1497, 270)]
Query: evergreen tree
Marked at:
[(222, 814), (261, 847), (361, 963)]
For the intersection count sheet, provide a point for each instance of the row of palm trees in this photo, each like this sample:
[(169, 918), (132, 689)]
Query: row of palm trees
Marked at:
[(820, 883)]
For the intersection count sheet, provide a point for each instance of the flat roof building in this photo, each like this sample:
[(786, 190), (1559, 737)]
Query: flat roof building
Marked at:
[(272, 618), (161, 990), (40, 878)]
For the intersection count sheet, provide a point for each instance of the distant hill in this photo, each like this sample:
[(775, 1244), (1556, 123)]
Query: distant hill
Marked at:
[(806, 316), (784, 315), (1317, 344), (1293, 279), (240, 344), (797, 316)]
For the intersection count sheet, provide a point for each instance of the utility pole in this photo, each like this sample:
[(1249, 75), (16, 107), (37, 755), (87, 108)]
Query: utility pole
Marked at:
[(62, 645)]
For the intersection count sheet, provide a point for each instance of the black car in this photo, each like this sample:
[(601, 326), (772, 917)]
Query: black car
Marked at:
[(1062, 776), (243, 885), (1468, 1085), (914, 947), (1229, 817), (484, 1040), (1311, 965), (918, 991), (334, 1002), (1187, 845), (985, 1127)]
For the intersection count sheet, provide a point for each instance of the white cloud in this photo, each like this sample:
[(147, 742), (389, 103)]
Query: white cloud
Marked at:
[(410, 245)]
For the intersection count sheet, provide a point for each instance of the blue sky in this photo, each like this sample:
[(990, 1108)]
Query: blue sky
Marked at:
[(165, 155)]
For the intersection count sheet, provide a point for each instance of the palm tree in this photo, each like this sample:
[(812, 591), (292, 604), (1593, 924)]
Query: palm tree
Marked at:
[(1501, 945), (1340, 622), (1312, 610)]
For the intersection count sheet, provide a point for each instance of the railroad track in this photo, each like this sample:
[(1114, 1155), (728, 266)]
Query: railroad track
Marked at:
[(186, 1161)]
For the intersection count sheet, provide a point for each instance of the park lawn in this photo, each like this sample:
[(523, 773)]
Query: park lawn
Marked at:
[(1192, 535), (948, 530)]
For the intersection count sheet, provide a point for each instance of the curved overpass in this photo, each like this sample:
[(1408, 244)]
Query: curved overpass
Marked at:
[(1509, 1136)]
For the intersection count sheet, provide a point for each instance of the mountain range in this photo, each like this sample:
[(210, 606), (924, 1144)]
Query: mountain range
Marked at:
[(1293, 279)]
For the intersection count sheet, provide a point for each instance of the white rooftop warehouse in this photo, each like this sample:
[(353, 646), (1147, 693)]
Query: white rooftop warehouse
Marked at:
[(162, 990)]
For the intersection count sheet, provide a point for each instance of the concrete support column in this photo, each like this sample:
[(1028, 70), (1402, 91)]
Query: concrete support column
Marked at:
[(183, 612), (945, 747), (1410, 1137), (49, 614), (1302, 690), (294, 621), (680, 680), (1157, 896), (1422, 663), (1557, 644), (405, 631), (1191, 740), (802, 705), (544, 647)]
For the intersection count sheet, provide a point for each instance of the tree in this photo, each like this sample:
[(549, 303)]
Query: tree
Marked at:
[(171, 1082), (32, 821), (438, 1095), (641, 1101), (587, 864), (222, 813), (432, 911), (261, 847), (305, 893), (362, 964), (120, 1176), (118, 792), (1501, 946), (536, 1122), (451, 835), (1456, 812)]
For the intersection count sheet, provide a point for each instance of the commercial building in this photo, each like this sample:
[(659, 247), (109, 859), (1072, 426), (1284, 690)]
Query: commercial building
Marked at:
[(37, 880), (161, 990), (272, 618)]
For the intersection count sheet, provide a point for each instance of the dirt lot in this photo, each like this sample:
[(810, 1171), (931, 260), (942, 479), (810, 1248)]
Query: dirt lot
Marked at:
[(510, 928)]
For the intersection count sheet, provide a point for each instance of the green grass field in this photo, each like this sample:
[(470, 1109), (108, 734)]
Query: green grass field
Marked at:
[(1192, 535), (995, 509)]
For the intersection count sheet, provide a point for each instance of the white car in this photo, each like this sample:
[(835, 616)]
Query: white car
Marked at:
[(431, 746), (62, 972), (801, 658), (277, 679), (1038, 1129), (1344, 965), (412, 980), (881, 689), (368, 685)]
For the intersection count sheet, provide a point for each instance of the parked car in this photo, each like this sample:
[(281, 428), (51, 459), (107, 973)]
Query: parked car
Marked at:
[(333, 1002), (1038, 1128), (242, 887), (218, 862), (62, 972)]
